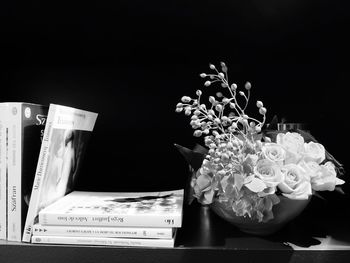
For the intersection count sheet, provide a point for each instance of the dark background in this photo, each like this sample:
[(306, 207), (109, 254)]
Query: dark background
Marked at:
[(132, 61)]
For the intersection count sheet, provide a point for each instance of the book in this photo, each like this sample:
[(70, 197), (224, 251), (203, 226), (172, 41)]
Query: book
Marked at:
[(3, 171), (141, 209), (104, 241), (24, 123), (123, 232), (64, 143)]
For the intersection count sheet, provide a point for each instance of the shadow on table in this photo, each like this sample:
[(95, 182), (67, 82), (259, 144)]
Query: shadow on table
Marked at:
[(203, 228)]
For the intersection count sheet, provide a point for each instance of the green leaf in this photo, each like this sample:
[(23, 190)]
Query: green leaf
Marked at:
[(193, 158)]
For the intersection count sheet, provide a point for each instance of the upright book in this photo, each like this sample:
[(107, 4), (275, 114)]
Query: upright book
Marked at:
[(145, 209), (24, 125), (66, 134)]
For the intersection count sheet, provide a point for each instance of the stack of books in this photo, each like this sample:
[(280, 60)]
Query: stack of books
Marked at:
[(41, 152), (147, 219)]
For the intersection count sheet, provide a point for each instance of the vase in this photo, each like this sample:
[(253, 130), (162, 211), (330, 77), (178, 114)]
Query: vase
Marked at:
[(283, 212)]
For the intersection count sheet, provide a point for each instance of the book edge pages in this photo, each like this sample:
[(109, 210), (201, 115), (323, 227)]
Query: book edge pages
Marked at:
[(122, 242)]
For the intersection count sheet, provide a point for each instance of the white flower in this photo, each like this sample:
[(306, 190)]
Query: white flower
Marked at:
[(311, 168), (326, 178), (296, 184), (314, 152), (274, 152), (293, 143), (269, 172)]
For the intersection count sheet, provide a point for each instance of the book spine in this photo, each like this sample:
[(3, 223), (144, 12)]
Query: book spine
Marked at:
[(125, 242), (38, 179), (14, 190), (121, 232), (110, 220), (3, 171)]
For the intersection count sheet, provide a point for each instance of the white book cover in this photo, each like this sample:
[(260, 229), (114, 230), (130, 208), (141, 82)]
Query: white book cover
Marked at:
[(142, 209), (66, 134), (104, 241), (123, 232), (3, 171)]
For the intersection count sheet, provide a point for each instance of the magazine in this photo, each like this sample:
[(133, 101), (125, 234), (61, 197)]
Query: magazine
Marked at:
[(145, 209), (66, 135)]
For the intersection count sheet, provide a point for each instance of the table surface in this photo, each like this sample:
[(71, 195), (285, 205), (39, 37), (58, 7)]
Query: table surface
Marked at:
[(320, 234)]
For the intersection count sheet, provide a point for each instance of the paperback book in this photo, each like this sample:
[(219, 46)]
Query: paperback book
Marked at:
[(65, 138), (143, 209), (87, 231), (104, 241), (22, 132)]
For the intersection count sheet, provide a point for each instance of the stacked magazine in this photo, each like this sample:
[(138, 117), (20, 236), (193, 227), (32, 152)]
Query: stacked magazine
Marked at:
[(147, 219)]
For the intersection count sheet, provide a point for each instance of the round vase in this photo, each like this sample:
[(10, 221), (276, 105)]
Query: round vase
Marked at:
[(283, 212)]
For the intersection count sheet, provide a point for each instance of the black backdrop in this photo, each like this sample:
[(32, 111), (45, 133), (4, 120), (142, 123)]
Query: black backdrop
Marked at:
[(131, 61)]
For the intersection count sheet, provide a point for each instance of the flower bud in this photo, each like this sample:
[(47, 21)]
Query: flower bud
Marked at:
[(187, 112), (241, 93), (258, 129), (259, 104), (211, 66), (197, 133), (206, 131), (179, 109), (179, 105), (211, 99), (218, 107), (234, 86), (223, 67), (248, 85), (245, 116), (196, 112), (185, 99), (203, 75), (217, 121), (224, 85), (221, 75), (207, 83), (262, 110), (199, 92), (234, 125), (219, 94), (232, 105), (194, 117), (225, 100)]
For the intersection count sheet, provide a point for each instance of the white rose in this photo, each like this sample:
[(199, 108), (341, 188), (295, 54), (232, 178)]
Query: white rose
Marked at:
[(314, 152), (296, 184), (293, 143), (326, 178), (274, 152), (311, 168), (269, 172)]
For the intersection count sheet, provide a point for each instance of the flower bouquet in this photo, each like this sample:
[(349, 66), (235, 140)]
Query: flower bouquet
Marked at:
[(250, 173)]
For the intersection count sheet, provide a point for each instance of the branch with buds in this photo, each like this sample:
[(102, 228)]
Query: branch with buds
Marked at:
[(225, 117)]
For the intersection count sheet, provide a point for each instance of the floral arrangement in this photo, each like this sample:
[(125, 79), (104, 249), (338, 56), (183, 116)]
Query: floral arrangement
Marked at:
[(246, 165)]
